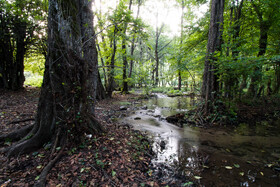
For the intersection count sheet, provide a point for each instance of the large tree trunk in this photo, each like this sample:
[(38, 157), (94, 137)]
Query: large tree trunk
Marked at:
[(66, 104), (12, 58), (210, 85), (6, 53), (18, 69)]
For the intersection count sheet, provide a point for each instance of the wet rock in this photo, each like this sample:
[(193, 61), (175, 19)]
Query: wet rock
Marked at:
[(144, 107), (123, 108), (156, 116), (137, 118), (151, 111), (177, 119), (162, 145)]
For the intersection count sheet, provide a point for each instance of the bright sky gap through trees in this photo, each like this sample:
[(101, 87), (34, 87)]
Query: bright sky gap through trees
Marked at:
[(169, 12)]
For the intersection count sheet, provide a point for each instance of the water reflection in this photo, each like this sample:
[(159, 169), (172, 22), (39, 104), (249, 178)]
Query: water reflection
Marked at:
[(188, 149), (180, 145)]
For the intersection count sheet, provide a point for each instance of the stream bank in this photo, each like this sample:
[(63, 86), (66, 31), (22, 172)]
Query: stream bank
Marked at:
[(219, 156)]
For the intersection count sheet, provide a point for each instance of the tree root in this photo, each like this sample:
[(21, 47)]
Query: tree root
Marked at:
[(19, 121), (43, 176), (17, 134)]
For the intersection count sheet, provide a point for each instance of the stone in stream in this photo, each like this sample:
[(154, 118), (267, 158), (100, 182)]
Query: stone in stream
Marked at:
[(177, 119), (162, 145), (123, 108), (137, 118), (144, 107)]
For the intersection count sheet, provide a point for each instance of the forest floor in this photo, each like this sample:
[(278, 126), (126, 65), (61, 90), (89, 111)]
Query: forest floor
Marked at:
[(119, 157)]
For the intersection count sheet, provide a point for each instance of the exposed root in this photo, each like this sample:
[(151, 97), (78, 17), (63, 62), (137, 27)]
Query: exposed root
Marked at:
[(26, 146), (94, 125), (56, 141), (17, 135), (20, 121), (43, 176)]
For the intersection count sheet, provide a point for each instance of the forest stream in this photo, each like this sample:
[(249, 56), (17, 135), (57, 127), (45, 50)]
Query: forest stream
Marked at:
[(217, 156)]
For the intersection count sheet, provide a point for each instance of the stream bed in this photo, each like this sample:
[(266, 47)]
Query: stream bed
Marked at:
[(218, 156)]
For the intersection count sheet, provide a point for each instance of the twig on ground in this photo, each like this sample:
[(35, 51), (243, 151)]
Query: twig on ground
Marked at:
[(19, 121)]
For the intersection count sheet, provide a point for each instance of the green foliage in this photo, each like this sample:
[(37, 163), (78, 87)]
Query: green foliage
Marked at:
[(35, 64), (34, 80)]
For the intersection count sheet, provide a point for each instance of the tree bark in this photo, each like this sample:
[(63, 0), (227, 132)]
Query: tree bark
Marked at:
[(210, 85), (181, 43), (133, 43), (12, 58), (111, 64), (125, 62), (67, 97), (18, 69), (100, 93)]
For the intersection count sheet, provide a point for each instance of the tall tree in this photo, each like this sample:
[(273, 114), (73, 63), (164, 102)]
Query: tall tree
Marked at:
[(124, 56), (66, 105), (17, 25), (265, 12), (132, 48), (210, 85), (181, 43)]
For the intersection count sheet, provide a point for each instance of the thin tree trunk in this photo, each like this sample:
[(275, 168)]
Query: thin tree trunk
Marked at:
[(257, 74), (181, 43), (125, 63), (103, 64), (133, 44), (111, 73), (125, 84)]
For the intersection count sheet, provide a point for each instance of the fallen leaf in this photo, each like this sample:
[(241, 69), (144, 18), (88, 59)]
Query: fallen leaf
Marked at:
[(237, 165), (197, 177)]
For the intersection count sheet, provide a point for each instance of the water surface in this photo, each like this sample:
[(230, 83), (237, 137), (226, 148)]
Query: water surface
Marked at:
[(243, 156)]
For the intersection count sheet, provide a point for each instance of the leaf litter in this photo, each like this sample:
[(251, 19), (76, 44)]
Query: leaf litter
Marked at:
[(119, 157)]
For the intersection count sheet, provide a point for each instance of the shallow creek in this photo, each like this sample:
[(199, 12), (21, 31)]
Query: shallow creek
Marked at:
[(218, 156)]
